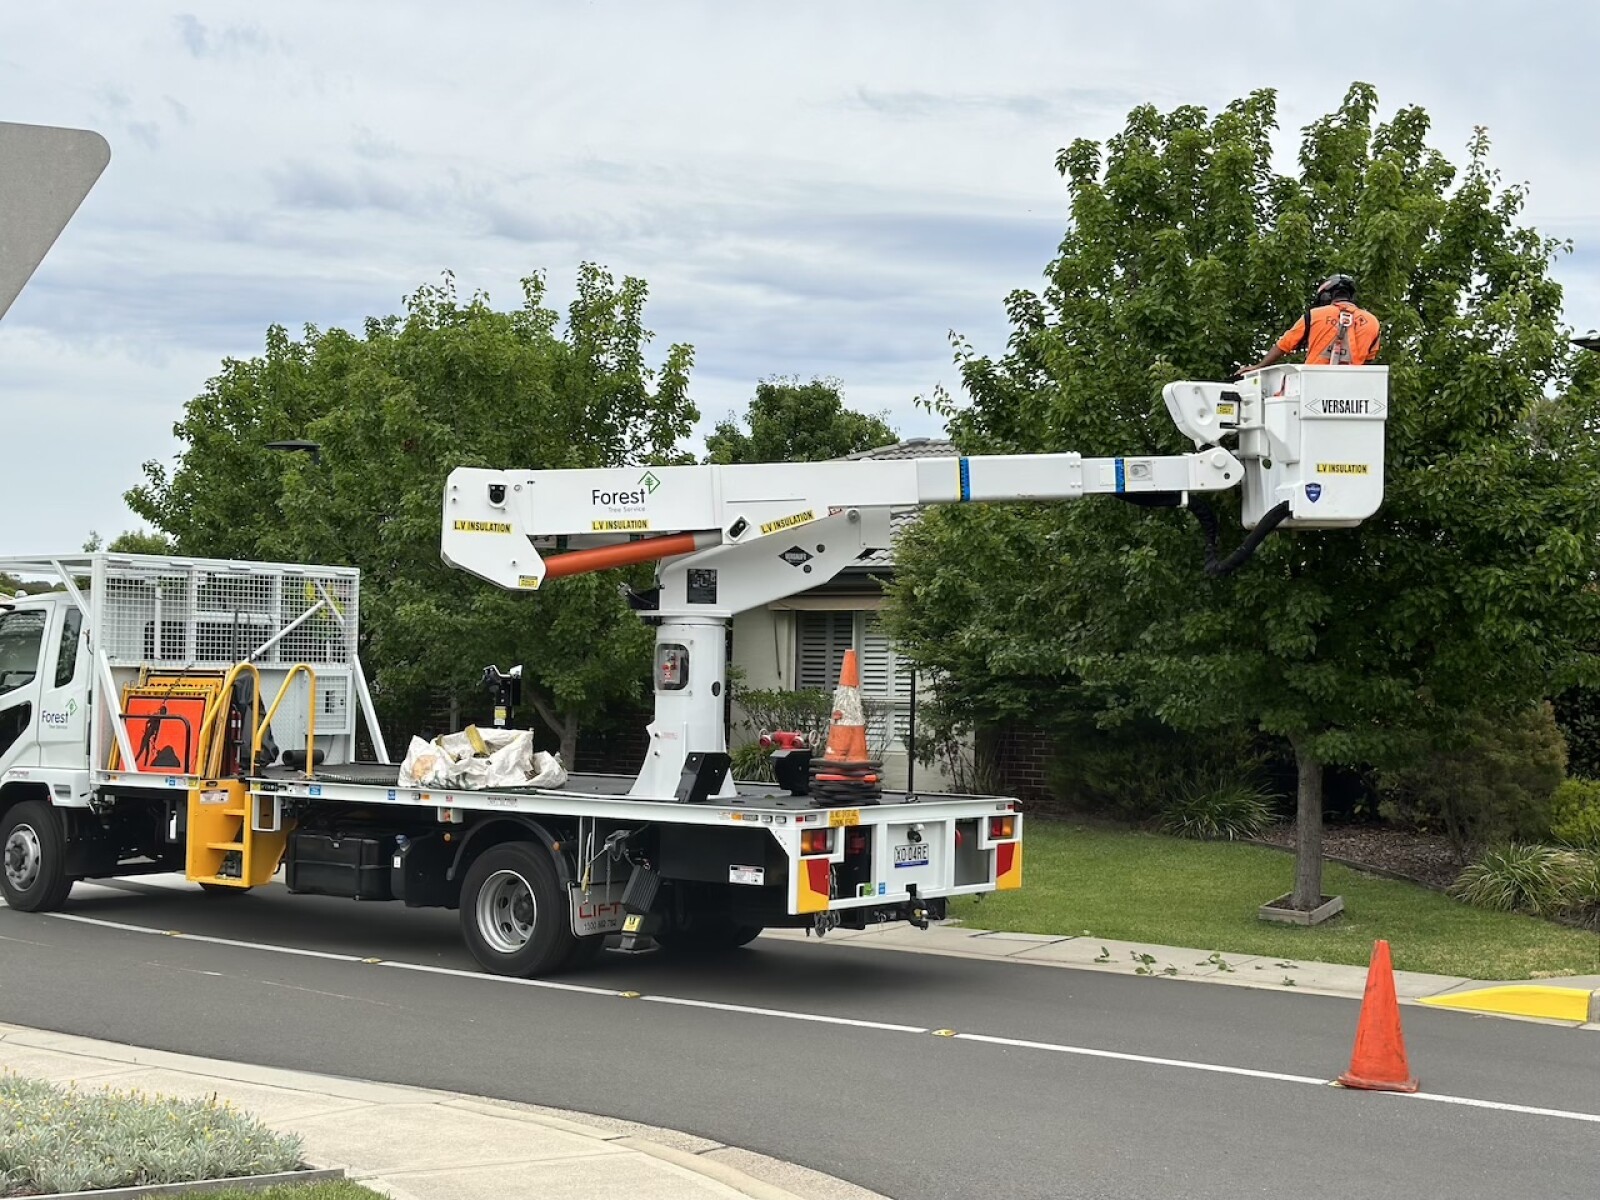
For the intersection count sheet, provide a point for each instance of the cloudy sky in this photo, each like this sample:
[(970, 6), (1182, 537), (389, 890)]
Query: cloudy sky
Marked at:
[(809, 188)]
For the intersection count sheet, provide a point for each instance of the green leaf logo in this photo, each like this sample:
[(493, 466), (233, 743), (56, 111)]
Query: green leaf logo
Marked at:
[(72, 707), (651, 483)]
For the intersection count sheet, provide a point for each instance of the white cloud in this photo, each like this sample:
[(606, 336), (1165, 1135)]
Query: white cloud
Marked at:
[(818, 189)]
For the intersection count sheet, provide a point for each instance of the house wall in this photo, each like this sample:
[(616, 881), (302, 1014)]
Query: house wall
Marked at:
[(1021, 758)]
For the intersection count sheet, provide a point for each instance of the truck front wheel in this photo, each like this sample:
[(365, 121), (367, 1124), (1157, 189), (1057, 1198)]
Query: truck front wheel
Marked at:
[(513, 916), (34, 850)]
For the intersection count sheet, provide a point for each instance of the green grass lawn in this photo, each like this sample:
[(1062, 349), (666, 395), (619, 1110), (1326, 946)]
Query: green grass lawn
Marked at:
[(1141, 887)]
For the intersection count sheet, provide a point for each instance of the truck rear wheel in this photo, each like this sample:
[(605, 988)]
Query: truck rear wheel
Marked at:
[(34, 850), (513, 915)]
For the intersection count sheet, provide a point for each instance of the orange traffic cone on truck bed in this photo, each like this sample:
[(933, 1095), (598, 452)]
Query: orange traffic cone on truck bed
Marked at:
[(844, 774), (847, 735), (1378, 1062)]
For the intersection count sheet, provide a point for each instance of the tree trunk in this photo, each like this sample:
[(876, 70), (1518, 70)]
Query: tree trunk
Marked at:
[(569, 742), (1308, 831)]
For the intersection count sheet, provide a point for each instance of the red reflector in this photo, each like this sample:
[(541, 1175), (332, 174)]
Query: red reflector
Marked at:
[(1005, 857)]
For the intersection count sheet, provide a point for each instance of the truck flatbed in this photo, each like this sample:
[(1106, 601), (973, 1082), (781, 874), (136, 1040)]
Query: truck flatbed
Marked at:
[(759, 795)]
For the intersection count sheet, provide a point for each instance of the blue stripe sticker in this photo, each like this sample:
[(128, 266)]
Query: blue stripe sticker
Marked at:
[(1122, 481), (966, 479)]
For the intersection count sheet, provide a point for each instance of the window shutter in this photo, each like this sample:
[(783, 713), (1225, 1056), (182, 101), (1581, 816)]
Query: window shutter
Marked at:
[(822, 639), (883, 679)]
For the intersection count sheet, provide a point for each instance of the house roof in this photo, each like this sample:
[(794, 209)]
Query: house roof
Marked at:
[(917, 447), (901, 518)]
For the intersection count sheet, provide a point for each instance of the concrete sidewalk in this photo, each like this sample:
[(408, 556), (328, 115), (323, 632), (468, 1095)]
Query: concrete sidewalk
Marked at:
[(416, 1144), (1126, 958)]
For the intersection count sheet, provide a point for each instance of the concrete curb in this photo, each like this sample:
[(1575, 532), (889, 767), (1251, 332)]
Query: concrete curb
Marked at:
[(1087, 953)]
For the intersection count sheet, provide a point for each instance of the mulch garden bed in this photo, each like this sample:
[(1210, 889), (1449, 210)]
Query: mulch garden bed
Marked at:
[(1426, 858)]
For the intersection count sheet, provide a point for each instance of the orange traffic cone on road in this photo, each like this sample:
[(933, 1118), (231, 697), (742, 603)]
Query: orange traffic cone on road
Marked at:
[(1378, 1062), (847, 735)]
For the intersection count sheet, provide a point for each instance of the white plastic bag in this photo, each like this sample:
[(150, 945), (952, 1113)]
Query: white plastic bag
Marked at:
[(480, 759)]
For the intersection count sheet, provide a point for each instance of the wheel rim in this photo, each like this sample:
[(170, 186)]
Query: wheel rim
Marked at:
[(507, 912), (24, 856)]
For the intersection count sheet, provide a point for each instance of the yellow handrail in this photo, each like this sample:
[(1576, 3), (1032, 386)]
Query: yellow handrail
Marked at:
[(311, 717), (213, 754)]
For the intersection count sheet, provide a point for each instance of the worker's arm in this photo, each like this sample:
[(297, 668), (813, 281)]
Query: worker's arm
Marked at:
[(1273, 355)]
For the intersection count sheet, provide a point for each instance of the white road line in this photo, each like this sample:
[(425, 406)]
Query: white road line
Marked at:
[(200, 937), (1121, 1056), (824, 1019), (820, 1018), (550, 985), (1530, 1110)]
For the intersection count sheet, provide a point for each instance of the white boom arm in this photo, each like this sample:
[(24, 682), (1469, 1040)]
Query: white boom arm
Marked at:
[(731, 538), (486, 511)]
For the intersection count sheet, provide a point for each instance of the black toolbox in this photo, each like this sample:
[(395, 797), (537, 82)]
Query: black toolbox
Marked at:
[(339, 864)]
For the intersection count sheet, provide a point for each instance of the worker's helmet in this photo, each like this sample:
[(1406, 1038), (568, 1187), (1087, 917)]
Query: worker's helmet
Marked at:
[(1336, 287)]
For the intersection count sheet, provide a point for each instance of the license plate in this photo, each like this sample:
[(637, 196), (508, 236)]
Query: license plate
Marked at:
[(913, 854)]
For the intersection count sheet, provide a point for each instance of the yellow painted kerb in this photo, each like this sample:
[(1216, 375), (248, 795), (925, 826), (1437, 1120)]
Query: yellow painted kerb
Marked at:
[(1521, 1000)]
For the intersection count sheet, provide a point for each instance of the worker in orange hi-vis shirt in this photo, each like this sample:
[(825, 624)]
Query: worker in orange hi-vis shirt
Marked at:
[(1334, 332)]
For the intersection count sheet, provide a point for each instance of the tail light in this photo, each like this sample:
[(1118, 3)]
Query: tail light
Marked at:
[(816, 841), (1002, 827)]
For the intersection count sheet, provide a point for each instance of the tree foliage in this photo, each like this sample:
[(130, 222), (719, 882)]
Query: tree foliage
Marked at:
[(789, 421), (131, 541), (447, 383), (1468, 592), (1496, 788)]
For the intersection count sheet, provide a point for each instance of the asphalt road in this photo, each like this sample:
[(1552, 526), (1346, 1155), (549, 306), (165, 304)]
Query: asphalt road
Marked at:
[(827, 1056)]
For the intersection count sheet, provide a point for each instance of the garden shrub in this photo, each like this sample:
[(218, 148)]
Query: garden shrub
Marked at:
[(1495, 785), (1541, 881), (1135, 771), (1575, 814), (1218, 811), (61, 1139)]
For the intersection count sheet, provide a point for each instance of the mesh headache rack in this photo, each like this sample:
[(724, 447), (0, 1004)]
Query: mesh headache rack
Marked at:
[(177, 616)]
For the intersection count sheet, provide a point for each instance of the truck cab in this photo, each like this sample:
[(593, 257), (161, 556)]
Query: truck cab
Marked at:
[(44, 686)]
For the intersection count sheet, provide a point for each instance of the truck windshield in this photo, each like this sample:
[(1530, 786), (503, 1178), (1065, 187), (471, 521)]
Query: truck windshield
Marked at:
[(21, 637)]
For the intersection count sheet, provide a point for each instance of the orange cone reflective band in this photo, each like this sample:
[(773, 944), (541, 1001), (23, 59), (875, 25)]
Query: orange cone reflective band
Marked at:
[(1378, 1062), (847, 736)]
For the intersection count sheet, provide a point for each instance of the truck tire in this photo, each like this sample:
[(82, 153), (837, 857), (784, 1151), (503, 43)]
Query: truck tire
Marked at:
[(513, 914), (708, 937), (34, 852)]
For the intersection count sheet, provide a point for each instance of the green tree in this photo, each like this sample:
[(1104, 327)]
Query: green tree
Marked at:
[(448, 383), (1470, 590), (791, 421), (131, 541)]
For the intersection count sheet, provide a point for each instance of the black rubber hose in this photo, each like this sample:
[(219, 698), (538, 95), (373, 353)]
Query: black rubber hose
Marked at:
[(1208, 523)]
